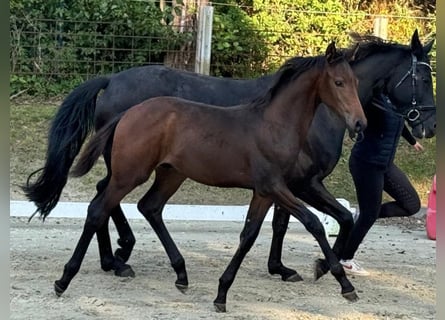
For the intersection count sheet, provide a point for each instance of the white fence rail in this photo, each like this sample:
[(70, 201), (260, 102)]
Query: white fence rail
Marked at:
[(172, 212)]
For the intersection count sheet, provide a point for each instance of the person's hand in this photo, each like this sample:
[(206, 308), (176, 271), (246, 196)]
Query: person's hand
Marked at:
[(418, 146)]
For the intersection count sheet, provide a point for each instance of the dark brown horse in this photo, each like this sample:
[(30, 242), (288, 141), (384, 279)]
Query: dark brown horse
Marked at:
[(253, 146)]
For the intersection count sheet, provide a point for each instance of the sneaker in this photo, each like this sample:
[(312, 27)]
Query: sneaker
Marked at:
[(353, 268)]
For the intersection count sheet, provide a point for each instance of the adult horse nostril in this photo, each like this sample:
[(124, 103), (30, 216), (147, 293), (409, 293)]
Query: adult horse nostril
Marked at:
[(358, 126)]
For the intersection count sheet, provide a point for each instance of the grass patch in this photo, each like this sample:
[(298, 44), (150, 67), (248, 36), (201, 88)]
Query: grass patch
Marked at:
[(28, 139)]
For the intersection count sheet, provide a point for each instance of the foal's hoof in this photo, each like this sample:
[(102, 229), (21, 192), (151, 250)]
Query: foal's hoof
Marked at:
[(125, 271), (220, 307), (58, 288), (350, 296), (320, 268), (182, 287)]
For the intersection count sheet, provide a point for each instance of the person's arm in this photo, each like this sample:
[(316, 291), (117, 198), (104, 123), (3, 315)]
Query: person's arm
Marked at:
[(408, 136), (406, 133)]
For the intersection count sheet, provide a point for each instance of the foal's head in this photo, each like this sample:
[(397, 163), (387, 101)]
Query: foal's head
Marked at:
[(337, 88)]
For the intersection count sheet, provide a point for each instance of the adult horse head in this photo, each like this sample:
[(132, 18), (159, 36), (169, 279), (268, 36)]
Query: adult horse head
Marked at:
[(409, 84), (380, 66)]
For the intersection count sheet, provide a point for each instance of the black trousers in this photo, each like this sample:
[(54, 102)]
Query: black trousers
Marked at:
[(370, 182)]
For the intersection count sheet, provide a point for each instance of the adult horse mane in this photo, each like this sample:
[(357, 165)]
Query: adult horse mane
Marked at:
[(369, 45)]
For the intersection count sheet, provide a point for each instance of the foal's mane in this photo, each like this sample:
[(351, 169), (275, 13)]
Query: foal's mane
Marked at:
[(288, 72), (369, 45)]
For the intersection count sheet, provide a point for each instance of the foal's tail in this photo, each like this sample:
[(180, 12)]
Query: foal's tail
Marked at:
[(95, 147), (71, 125)]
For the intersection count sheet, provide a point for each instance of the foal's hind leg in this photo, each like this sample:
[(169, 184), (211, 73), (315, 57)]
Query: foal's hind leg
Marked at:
[(255, 217), (166, 183), (280, 223), (98, 214)]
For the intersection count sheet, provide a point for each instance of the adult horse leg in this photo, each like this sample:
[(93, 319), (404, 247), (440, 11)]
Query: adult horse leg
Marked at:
[(285, 198), (108, 261), (280, 223), (126, 240), (166, 183), (255, 217), (318, 197)]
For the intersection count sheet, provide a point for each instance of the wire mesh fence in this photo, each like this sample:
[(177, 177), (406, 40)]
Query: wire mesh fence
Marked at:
[(60, 49)]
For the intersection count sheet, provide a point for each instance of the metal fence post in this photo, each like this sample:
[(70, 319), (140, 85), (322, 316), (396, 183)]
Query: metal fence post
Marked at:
[(204, 40)]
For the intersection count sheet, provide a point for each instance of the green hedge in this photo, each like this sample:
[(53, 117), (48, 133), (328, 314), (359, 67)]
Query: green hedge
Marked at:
[(56, 44)]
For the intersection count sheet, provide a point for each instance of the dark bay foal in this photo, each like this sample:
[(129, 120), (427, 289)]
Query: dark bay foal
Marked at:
[(253, 146)]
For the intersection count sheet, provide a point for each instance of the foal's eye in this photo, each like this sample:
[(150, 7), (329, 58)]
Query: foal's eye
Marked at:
[(339, 83)]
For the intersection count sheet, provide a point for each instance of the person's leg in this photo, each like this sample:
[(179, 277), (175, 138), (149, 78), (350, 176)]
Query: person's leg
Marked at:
[(398, 186), (368, 180)]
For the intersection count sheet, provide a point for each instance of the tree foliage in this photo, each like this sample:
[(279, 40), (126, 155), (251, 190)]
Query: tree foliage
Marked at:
[(56, 44)]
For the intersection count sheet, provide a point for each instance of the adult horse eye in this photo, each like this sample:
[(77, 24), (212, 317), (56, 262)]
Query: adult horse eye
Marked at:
[(339, 83)]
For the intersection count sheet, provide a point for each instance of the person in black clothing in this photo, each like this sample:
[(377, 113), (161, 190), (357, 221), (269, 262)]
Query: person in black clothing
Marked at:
[(372, 167)]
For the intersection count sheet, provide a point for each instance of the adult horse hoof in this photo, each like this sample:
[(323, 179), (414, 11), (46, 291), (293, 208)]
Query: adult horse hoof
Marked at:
[(293, 278), (286, 274), (58, 288), (350, 296), (220, 307), (106, 267), (121, 254), (125, 271), (182, 287), (319, 268)]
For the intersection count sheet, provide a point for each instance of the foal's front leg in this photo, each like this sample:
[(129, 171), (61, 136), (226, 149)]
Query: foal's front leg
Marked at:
[(255, 217), (286, 199)]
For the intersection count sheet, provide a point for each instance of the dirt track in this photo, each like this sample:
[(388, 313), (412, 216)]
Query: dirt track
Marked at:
[(401, 259)]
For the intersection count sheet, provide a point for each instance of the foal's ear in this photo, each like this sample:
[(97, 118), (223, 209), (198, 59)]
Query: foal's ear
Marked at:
[(331, 52)]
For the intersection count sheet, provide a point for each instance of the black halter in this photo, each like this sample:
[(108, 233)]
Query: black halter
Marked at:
[(412, 114)]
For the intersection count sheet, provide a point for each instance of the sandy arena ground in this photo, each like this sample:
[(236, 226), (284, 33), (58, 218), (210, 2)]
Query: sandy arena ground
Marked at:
[(401, 259)]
